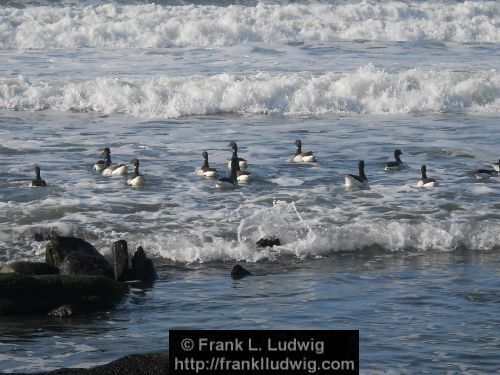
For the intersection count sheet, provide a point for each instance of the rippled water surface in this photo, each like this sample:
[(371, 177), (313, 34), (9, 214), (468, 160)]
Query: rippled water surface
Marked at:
[(415, 270)]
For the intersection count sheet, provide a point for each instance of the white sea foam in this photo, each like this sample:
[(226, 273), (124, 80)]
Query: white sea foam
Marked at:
[(300, 239), (367, 90), (154, 26)]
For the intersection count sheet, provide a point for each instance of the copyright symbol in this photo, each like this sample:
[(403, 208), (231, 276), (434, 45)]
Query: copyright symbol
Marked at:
[(187, 345)]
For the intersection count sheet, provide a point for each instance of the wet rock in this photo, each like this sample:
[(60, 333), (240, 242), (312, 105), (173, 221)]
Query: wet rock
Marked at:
[(142, 267), (238, 272), (26, 294), (7, 304), (30, 268), (268, 241), (119, 253), (57, 249), (64, 311), (84, 264), (75, 256), (144, 364)]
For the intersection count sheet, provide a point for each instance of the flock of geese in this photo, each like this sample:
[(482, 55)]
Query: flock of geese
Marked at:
[(240, 174)]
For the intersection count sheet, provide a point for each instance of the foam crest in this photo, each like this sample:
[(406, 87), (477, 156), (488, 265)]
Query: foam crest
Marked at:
[(367, 90), (156, 26), (301, 239), (406, 235)]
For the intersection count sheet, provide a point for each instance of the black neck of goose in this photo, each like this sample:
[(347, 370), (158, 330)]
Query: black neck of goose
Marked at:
[(362, 173), (205, 163), (299, 150), (37, 171), (234, 166), (107, 161), (136, 171), (235, 161), (424, 174), (398, 159)]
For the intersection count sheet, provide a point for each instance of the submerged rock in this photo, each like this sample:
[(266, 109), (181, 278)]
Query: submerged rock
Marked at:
[(26, 294), (268, 241), (75, 256), (142, 267), (238, 272), (30, 268)]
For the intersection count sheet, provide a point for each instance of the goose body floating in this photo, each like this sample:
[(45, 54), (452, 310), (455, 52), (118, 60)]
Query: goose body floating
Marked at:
[(396, 164), (38, 181), (112, 169), (357, 181), (137, 179), (484, 174), (205, 170), (242, 162), (426, 182), (303, 157), (496, 166), (99, 166), (230, 181)]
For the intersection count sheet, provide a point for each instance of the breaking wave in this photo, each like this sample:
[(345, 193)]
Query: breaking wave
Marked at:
[(117, 25), (302, 240), (367, 90)]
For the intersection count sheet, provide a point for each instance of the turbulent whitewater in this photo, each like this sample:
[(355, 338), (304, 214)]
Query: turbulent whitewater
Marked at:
[(367, 90), (157, 26)]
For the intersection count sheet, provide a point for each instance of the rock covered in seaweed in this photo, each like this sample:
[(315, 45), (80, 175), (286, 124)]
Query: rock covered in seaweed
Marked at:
[(26, 294), (30, 268)]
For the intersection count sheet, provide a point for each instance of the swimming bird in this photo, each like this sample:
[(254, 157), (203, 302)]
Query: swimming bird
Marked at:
[(228, 182), (38, 180), (357, 181), (205, 170), (99, 166), (242, 162), (394, 164), (241, 176), (112, 169), (484, 174), (303, 157), (496, 166), (426, 182), (137, 179)]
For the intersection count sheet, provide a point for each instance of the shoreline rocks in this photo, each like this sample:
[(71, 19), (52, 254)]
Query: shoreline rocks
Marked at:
[(142, 268), (40, 294), (74, 256), (30, 268), (75, 278), (133, 364), (119, 254)]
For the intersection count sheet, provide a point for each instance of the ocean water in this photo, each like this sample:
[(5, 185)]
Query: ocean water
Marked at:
[(415, 270)]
